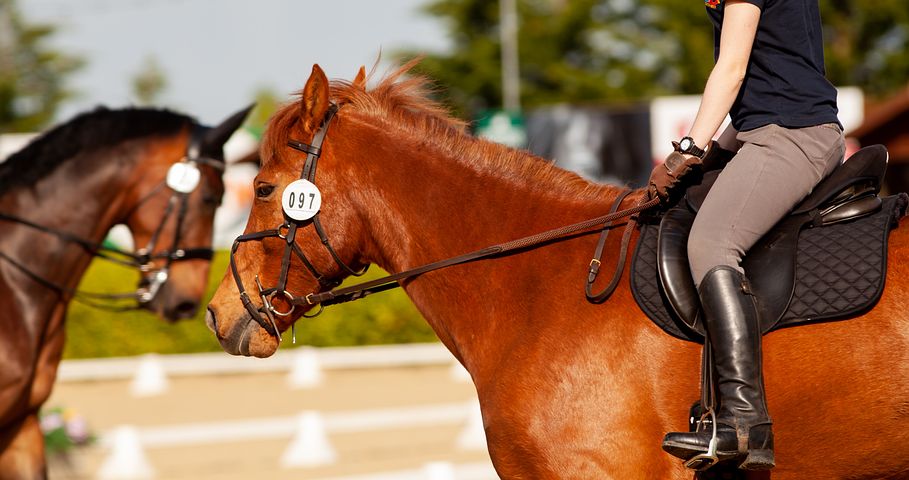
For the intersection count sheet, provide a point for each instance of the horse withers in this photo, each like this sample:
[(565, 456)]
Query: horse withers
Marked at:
[(156, 171), (568, 389)]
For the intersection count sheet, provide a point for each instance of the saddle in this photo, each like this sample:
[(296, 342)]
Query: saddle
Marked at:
[(825, 260)]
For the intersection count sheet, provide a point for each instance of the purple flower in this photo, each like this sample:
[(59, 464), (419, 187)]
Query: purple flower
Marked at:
[(77, 430), (51, 422)]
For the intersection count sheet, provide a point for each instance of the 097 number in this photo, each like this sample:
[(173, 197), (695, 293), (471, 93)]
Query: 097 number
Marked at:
[(299, 202)]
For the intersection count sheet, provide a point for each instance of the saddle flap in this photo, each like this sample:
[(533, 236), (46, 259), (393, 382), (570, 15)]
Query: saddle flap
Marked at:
[(673, 267)]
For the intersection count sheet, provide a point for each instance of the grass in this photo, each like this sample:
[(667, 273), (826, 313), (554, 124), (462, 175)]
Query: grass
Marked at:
[(384, 318)]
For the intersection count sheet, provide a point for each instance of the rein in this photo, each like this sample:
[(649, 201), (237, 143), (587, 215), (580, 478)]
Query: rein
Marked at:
[(142, 259), (355, 292), (287, 232)]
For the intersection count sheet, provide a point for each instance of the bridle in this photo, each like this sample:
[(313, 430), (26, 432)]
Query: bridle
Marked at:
[(144, 258), (287, 231)]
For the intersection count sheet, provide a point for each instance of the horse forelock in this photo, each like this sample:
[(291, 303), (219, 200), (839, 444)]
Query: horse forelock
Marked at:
[(402, 103)]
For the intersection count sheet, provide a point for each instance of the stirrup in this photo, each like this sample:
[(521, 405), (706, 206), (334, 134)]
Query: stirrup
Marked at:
[(708, 459)]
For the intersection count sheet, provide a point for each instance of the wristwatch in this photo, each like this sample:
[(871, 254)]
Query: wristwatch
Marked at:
[(686, 145)]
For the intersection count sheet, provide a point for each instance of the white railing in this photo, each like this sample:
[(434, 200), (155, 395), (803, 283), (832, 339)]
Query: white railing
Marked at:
[(219, 363), (305, 365)]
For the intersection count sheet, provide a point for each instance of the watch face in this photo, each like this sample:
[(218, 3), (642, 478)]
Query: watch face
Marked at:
[(685, 144)]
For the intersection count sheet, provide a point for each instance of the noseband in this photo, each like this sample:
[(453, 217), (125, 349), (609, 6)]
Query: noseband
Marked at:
[(142, 259), (287, 232)]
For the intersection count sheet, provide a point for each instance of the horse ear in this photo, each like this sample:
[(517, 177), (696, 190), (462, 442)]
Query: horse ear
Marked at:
[(360, 80), (251, 158), (216, 137), (314, 99)]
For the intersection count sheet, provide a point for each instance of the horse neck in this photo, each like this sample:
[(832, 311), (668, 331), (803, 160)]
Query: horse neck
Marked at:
[(84, 196), (426, 202)]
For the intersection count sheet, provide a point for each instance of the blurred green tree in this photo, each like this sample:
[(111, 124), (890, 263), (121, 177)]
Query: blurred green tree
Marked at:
[(594, 51), (866, 44), (32, 74), (267, 103), (149, 82)]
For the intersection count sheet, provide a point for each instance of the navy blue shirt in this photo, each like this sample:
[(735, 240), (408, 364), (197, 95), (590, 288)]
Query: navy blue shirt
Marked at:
[(785, 82)]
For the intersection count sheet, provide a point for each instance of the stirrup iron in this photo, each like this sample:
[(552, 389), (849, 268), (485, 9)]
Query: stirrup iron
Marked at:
[(708, 459)]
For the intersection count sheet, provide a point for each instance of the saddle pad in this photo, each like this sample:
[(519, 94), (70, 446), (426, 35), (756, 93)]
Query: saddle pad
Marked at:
[(840, 271)]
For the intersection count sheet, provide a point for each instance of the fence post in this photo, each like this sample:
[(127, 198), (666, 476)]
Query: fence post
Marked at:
[(306, 370), (150, 379), (459, 373), (126, 460), (473, 437), (438, 471), (310, 446)]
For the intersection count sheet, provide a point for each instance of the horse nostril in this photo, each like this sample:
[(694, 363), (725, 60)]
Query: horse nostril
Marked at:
[(186, 309), (211, 322)]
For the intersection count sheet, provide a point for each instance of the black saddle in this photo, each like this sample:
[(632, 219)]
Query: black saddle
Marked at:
[(827, 259)]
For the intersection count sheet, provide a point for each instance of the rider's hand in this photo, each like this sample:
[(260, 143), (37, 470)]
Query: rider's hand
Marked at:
[(668, 175)]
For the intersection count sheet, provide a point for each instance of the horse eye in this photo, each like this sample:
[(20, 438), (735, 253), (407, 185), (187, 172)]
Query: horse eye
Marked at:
[(211, 200), (263, 191)]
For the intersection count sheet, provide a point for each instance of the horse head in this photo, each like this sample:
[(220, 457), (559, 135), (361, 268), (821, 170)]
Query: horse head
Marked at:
[(170, 212), (313, 260)]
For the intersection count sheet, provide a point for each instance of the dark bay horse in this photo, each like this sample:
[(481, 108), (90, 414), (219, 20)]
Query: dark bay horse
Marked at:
[(80, 179), (568, 389)]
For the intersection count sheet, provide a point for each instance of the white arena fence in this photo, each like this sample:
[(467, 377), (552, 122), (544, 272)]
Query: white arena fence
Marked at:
[(308, 432), (303, 365)]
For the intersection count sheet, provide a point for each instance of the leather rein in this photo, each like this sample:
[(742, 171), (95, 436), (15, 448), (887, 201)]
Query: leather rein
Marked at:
[(287, 232), (142, 259)]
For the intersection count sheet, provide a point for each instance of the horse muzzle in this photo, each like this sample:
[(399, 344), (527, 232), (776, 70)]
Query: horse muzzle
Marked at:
[(244, 337)]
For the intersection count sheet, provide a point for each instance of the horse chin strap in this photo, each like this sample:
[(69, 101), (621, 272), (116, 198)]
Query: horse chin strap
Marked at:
[(287, 232)]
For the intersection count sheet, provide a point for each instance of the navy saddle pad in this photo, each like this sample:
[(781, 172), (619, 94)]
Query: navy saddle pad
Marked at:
[(840, 271)]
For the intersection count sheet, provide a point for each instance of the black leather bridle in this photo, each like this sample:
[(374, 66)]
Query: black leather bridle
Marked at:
[(287, 231), (328, 295), (142, 259)]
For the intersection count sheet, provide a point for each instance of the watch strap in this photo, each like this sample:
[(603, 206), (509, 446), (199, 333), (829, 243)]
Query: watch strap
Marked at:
[(691, 150)]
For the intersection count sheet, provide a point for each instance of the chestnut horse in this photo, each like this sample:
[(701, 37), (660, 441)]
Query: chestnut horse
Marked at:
[(80, 179), (568, 389)]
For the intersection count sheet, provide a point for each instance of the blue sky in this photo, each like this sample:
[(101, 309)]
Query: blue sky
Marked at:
[(216, 53)]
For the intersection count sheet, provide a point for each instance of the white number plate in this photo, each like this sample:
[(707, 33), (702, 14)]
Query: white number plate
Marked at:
[(183, 177), (301, 200)]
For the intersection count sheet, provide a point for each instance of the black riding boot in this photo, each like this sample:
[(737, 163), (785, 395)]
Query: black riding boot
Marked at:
[(743, 425)]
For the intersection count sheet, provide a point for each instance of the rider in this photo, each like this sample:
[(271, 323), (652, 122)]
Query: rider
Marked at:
[(769, 77)]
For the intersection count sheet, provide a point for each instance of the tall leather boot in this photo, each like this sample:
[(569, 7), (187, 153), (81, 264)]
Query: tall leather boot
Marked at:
[(743, 425)]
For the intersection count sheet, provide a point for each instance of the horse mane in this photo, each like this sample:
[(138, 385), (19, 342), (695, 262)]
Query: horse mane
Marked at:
[(87, 131), (403, 102)]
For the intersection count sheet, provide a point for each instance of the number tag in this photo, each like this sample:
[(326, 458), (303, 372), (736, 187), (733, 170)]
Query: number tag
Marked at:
[(183, 177), (301, 200)]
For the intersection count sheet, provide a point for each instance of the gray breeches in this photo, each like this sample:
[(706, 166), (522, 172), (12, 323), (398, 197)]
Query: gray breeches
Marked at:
[(774, 169)]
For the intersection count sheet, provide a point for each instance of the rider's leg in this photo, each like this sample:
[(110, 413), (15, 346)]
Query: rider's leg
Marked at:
[(775, 168)]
